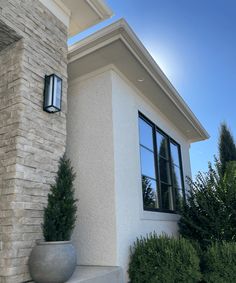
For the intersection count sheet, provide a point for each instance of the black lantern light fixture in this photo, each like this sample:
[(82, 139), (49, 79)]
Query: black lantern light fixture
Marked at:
[(52, 94)]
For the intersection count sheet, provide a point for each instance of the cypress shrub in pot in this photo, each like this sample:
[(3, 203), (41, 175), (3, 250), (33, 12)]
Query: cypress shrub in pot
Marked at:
[(54, 260)]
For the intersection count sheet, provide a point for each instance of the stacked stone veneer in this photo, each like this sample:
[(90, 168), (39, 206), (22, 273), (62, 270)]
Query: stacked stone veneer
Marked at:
[(32, 44)]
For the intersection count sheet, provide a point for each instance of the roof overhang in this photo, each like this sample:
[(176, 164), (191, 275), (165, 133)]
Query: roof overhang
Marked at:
[(79, 15), (118, 45)]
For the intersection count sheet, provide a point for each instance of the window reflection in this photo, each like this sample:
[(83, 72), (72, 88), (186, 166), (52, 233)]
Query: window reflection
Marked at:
[(177, 182), (162, 145), (145, 134), (162, 184), (150, 199), (147, 163), (167, 197), (179, 199), (164, 168), (174, 154)]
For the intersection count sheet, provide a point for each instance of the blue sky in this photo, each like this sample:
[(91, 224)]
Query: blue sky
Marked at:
[(194, 42)]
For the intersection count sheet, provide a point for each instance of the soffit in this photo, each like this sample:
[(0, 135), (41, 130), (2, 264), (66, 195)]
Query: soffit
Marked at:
[(86, 13), (116, 45), (79, 15)]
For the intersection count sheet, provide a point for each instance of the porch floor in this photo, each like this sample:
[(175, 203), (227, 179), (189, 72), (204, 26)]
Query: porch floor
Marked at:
[(97, 274)]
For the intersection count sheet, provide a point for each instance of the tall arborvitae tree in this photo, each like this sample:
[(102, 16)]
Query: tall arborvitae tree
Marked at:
[(209, 214), (60, 213), (227, 148)]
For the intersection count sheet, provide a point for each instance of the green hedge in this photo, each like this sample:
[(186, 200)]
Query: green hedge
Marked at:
[(160, 259), (219, 263)]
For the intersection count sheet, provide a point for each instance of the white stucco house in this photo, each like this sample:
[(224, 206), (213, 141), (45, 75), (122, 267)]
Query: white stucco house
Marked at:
[(125, 122), (124, 126)]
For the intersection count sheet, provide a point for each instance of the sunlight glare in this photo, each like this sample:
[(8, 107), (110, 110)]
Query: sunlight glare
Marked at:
[(169, 64)]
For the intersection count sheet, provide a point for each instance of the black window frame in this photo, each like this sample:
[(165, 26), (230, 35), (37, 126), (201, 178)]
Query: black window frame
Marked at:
[(155, 130)]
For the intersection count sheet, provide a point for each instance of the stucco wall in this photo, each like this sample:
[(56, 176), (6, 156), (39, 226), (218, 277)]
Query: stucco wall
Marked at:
[(103, 143), (132, 221), (90, 147), (31, 140)]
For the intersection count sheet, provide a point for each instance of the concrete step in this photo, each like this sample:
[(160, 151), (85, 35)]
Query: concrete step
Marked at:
[(97, 274)]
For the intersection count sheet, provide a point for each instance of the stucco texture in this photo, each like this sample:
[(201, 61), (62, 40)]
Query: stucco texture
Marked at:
[(103, 143), (132, 221), (90, 147)]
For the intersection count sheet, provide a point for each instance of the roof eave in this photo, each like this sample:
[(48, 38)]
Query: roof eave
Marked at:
[(69, 13), (122, 30)]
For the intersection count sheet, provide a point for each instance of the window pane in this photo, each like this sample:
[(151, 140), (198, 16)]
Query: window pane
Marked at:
[(145, 134), (164, 168), (180, 193), (167, 197), (179, 199), (147, 163), (174, 154), (162, 145), (150, 199), (177, 181)]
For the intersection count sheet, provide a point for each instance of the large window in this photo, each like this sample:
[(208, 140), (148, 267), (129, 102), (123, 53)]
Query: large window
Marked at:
[(162, 176)]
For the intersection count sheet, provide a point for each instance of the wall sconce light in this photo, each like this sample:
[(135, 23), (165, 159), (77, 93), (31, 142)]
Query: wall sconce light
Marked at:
[(52, 94)]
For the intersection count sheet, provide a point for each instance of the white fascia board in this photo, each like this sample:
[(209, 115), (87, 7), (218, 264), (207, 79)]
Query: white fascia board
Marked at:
[(97, 36), (57, 8), (122, 30)]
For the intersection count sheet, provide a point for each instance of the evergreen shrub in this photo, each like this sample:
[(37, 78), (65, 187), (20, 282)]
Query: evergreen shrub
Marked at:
[(60, 213), (161, 259), (219, 263), (209, 214)]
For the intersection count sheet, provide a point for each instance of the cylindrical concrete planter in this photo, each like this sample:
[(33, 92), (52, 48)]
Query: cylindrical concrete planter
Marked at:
[(52, 262)]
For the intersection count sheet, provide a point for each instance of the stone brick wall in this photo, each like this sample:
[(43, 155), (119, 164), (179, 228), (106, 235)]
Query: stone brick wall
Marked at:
[(32, 45)]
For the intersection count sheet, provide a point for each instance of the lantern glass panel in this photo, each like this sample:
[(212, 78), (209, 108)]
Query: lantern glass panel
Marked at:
[(57, 92), (48, 91)]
